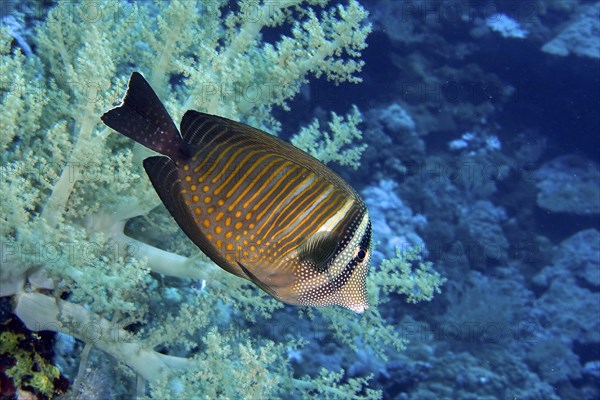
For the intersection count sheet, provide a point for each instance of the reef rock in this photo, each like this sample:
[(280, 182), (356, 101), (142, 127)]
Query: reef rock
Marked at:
[(580, 37), (569, 184)]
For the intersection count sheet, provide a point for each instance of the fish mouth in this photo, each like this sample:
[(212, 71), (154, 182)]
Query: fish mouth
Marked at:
[(358, 308)]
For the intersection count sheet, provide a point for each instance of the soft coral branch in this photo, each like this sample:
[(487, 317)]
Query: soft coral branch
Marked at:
[(43, 313)]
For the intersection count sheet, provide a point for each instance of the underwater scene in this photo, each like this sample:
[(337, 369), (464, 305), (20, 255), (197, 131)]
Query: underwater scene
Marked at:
[(300, 199)]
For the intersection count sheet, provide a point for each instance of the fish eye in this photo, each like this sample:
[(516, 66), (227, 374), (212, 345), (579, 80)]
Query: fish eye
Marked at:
[(362, 253)]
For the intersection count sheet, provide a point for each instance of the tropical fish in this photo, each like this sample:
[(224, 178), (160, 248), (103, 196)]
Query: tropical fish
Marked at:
[(257, 206)]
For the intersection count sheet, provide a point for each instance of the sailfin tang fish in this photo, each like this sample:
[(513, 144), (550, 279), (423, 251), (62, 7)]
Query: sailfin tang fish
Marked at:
[(257, 206)]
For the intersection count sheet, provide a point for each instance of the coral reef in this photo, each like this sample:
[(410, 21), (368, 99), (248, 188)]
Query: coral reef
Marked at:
[(580, 37), (506, 26), (23, 363), (483, 235), (569, 184), (499, 157), (576, 257), (394, 223)]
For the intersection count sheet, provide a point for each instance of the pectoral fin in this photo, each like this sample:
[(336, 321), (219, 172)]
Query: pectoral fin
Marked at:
[(318, 250)]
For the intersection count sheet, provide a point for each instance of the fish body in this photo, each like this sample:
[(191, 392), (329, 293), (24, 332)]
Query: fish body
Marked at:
[(257, 206)]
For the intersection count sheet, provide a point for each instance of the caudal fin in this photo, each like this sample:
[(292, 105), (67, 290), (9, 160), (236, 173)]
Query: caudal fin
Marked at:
[(142, 117)]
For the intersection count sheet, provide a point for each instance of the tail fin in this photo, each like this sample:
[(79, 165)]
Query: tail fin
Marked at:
[(142, 117)]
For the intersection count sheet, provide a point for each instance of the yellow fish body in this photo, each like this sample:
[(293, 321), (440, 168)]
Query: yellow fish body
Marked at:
[(257, 206)]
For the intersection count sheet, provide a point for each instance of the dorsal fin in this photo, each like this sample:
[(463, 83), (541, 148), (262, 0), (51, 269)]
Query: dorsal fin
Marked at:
[(200, 130), (197, 127), (318, 250)]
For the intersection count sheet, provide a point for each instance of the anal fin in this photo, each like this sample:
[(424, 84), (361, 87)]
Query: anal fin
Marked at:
[(257, 281), (164, 177)]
